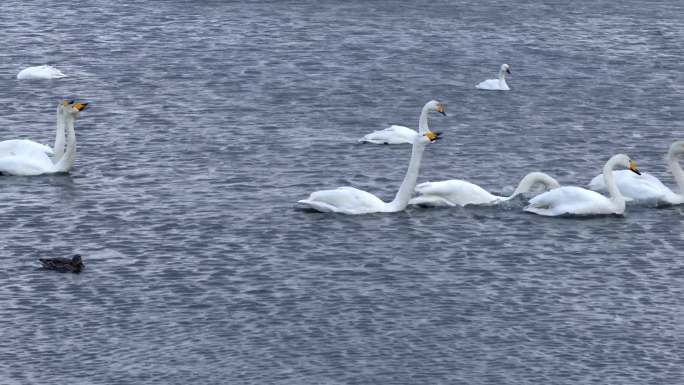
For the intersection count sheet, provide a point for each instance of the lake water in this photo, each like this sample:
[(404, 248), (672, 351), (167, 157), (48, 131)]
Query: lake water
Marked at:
[(210, 119)]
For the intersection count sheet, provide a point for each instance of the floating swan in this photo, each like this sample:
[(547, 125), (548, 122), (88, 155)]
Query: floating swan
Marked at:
[(40, 72), (401, 134), (64, 265), (349, 200), (646, 187), (497, 84), (458, 192), (579, 201), (27, 147), (34, 160)]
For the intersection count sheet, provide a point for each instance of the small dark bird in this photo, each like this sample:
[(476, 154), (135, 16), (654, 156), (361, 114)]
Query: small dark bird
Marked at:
[(64, 265)]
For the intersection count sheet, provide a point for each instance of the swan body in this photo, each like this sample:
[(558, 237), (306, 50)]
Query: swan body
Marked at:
[(572, 200), (40, 72), (31, 159), (647, 188), (458, 192), (350, 200), (25, 147), (497, 84), (400, 134)]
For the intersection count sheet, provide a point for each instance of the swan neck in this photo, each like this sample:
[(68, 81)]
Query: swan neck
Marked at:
[(59, 136), (609, 179), (532, 179), (409, 184), (67, 160), (423, 121), (676, 169)]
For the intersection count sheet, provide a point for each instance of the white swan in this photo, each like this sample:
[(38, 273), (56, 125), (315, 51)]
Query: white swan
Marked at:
[(40, 72), (579, 201), (646, 187), (349, 200), (401, 134), (38, 162), (458, 192), (497, 84), (27, 147)]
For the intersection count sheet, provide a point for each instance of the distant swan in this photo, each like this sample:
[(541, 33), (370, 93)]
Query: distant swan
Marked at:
[(646, 187), (349, 200), (578, 201), (458, 192), (40, 72), (26, 147), (401, 134), (497, 84), (38, 162)]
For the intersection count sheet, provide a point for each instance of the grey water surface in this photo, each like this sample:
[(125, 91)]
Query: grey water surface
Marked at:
[(210, 119)]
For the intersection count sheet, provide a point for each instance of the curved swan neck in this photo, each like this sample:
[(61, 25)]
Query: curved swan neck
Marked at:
[(608, 178), (67, 160), (532, 179), (423, 121), (676, 169), (59, 136), (409, 184)]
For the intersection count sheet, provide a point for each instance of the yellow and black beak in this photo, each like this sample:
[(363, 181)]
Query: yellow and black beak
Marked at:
[(633, 167), (440, 109), (433, 136), (80, 106)]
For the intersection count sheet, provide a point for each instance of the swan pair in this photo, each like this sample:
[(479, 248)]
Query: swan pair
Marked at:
[(646, 187), (400, 134), (26, 157), (40, 72)]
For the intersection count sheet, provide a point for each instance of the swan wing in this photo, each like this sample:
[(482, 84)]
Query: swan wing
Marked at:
[(644, 187), (346, 200), (23, 147), (37, 164), (570, 200), (390, 135), (456, 192)]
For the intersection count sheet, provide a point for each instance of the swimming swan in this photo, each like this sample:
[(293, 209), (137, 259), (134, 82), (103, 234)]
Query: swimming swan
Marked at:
[(579, 201), (40, 72), (401, 134), (497, 84), (646, 187), (349, 200), (458, 192), (27, 147), (38, 162)]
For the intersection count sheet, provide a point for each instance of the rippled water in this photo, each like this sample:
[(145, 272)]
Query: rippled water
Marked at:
[(209, 120)]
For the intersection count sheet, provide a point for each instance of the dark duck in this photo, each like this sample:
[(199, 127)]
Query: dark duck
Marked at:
[(64, 265)]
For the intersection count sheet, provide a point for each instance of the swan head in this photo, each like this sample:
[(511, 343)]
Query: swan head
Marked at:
[(73, 108), (624, 161), (435, 105), (677, 148), (505, 68)]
